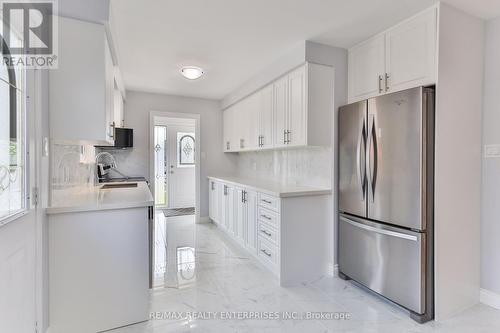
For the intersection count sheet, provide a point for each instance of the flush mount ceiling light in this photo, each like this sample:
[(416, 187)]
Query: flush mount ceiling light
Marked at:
[(191, 72)]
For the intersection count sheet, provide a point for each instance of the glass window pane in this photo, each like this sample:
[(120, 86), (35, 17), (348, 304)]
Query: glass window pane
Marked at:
[(186, 149), (12, 151), (160, 136)]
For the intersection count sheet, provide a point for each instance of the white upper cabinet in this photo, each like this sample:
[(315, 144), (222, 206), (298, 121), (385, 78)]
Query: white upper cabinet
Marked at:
[(296, 134), (366, 67), (81, 89), (400, 58), (281, 111), (411, 52), (294, 110), (266, 114), (253, 105)]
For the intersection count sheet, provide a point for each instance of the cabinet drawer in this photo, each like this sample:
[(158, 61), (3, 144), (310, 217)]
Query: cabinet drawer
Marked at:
[(268, 216), (268, 252), (269, 202), (267, 232)]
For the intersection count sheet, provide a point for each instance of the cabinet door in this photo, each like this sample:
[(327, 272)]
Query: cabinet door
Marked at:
[(411, 52), (297, 109), (240, 216), (228, 209), (366, 66), (251, 220), (266, 116), (227, 128), (241, 132), (110, 92), (281, 110), (212, 205), (219, 193), (252, 125), (118, 108)]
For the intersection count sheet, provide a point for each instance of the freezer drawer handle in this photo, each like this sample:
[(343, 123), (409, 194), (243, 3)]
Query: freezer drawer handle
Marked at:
[(380, 231)]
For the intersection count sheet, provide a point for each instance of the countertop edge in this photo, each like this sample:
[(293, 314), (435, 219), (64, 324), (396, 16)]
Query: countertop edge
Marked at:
[(282, 194), (80, 209)]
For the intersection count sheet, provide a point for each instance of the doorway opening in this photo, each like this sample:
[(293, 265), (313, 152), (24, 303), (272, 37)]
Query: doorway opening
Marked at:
[(174, 175)]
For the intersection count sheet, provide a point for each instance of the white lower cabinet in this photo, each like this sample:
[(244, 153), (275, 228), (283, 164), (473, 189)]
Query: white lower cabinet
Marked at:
[(286, 235)]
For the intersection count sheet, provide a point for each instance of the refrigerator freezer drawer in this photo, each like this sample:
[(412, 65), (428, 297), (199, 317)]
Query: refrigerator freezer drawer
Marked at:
[(388, 260)]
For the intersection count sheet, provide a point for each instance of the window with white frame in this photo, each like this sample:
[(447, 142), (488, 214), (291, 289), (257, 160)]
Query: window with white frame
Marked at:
[(13, 179)]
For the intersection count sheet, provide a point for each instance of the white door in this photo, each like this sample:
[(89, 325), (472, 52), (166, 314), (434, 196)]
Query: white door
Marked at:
[(266, 117), (251, 220), (17, 236), (411, 52), (181, 170), (297, 111), (366, 68), (227, 128), (281, 110)]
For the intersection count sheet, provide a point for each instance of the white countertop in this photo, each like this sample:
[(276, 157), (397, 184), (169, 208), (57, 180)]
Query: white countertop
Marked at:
[(274, 189), (92, 198)]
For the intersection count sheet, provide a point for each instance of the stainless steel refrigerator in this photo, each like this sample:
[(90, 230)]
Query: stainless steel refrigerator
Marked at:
[(386, 167)]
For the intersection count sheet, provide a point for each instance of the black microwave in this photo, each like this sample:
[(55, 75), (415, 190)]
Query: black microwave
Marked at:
[(124, 137)]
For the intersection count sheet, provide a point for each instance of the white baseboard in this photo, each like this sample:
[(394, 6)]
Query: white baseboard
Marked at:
[(490, 298), (204, 219), (333, 270)]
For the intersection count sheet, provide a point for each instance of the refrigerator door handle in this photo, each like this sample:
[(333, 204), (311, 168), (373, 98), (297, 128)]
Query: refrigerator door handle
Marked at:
[(372, 143), (379, 230), (360, 166)]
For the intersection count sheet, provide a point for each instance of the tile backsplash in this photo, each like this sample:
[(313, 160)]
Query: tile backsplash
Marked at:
[(310, 166), (72, 165)]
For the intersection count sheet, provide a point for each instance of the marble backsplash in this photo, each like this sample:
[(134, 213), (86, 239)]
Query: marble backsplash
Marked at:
[(72, 165), (310, 166)]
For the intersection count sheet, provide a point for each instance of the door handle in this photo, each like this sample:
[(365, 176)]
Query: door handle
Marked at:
[(359, 165), (387, 77), (372, 144), (266, 233), (380, 89), (266, 253), (284, 137), (288, 140), (379, 230)]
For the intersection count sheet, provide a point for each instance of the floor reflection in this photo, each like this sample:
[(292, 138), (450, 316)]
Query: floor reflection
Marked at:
[(174, 251)]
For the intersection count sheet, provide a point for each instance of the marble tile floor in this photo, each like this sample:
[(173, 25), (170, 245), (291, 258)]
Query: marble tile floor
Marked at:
[(206, 272)]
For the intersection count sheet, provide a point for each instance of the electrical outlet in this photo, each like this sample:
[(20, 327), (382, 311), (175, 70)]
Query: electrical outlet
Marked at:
[(491, 151)]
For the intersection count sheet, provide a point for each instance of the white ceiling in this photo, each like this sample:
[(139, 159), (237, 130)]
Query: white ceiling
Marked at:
[(234, 39)]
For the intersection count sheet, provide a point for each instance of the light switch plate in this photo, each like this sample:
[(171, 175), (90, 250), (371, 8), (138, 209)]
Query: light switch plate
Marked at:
[(491, 151)]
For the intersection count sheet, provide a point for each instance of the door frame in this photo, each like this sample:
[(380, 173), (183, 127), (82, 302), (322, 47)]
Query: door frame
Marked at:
[(196, 117)]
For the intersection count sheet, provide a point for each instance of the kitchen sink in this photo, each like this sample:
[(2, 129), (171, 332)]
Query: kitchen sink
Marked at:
[(118, 185)]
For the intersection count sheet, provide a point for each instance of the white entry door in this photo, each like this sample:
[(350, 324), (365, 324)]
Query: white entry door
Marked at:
[(181, 167)]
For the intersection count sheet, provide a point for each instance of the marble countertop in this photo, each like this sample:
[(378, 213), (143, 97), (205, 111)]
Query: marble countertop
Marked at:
[(94, 198), (274, 189)]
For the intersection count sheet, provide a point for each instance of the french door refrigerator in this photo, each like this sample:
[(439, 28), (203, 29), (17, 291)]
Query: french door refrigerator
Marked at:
[(386, 167)]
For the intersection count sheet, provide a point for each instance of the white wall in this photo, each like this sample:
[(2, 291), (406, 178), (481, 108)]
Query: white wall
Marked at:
[(490, 221), (135, 162), (458, 162)]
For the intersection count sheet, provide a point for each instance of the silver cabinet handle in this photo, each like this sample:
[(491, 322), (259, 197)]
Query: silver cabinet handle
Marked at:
[(242, 143), (266, 201), (379, 230), (262, 141), (112, 130), (266, 233), (387, 77), (380, 89), (284, 137), (266, 253), (266, 217)]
